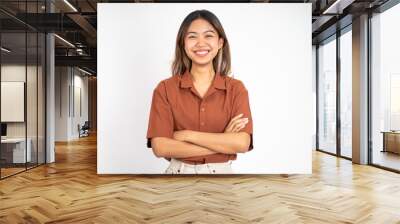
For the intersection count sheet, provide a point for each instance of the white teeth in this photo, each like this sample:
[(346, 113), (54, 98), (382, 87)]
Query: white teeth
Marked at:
[(201, 52)]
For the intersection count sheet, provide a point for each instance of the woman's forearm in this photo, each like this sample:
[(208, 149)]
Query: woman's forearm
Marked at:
[(227, 143), (171, 148)]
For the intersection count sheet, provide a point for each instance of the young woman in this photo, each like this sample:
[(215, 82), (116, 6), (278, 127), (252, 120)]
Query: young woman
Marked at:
[(200, 118)]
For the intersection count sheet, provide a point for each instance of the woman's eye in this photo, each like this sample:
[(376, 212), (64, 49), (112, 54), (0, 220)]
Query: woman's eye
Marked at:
[(191, 37)]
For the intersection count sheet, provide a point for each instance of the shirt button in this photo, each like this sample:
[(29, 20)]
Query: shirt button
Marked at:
[(203, 109), (202, 123)]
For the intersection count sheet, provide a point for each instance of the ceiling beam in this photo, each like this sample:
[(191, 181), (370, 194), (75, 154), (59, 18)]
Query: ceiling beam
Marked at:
[(85, 61), (86, 26), (337, 6)]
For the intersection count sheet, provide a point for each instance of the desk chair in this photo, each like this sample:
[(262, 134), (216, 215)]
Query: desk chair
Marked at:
[(84, 130)]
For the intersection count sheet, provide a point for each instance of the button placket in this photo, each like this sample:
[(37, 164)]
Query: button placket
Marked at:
[(202, 115)]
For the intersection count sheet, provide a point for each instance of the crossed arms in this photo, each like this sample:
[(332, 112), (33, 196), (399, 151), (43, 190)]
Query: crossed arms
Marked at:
[(187, 143)]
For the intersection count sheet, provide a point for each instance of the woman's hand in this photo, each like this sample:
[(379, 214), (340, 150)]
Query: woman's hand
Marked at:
[(236, 124)]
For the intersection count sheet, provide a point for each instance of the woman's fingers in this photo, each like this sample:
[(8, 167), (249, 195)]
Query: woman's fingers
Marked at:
[(229, 127), (234, 119), (233, 124), (236, 130), (238, 125)]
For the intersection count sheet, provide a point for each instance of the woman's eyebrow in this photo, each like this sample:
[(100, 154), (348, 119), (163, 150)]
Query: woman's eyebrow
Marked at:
[(192, 32)]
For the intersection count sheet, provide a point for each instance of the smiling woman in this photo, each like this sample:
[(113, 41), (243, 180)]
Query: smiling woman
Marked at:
[(200, 117)]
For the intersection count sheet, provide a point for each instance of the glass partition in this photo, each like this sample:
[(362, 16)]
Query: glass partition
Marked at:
[(22, 63), (385, 89), (346, 94), (13, 94), (327, 96), (32, 95)]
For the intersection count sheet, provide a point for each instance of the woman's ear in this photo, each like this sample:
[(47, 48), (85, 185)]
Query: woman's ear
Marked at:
[(220, 43)]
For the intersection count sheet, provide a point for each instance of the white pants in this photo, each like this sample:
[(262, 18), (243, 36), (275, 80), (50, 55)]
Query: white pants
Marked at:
[(179, 167)]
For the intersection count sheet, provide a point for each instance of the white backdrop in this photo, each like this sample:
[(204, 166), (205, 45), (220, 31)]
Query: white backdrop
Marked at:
[(271, 54)]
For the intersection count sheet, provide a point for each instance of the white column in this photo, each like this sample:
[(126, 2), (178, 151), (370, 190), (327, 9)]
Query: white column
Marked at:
[(50, 92), (50, 100)]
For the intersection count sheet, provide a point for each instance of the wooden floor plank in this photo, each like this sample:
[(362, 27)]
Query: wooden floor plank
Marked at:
[(70, 191)]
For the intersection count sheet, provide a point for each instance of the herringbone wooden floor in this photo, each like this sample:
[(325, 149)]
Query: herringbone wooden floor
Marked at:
[(70, 191)]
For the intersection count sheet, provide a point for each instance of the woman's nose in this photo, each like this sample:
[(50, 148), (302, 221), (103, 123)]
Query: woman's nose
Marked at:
[(201, 42)]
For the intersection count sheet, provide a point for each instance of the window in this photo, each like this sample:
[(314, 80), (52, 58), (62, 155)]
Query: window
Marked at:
[(346, 94), (385, 89), (327, 97)]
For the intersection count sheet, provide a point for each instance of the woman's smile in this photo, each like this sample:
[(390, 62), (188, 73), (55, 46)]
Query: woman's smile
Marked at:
[(201, 53)]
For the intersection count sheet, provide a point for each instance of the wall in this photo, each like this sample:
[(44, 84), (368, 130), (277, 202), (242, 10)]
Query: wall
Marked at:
[(71, 102), (17, 73), (80, 109)]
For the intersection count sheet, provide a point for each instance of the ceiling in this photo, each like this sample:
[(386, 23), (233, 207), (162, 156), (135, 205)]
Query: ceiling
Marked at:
[(76, 22)]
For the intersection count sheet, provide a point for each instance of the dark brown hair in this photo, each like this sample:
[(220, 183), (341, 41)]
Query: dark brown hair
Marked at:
[(221, 62)]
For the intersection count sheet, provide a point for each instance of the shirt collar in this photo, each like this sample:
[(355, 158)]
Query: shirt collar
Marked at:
[(187, 82)]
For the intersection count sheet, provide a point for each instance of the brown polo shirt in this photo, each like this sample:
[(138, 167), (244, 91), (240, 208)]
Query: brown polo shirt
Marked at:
[(176, 106)]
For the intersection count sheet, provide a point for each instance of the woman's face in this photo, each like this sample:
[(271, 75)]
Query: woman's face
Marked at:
[(202, 42)]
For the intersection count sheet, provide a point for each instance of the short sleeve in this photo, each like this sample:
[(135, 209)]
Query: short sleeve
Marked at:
[(241, 105), (161, 122)]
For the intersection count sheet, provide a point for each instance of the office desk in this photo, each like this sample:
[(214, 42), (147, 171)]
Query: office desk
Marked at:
[(391, 141), (13, 150)]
